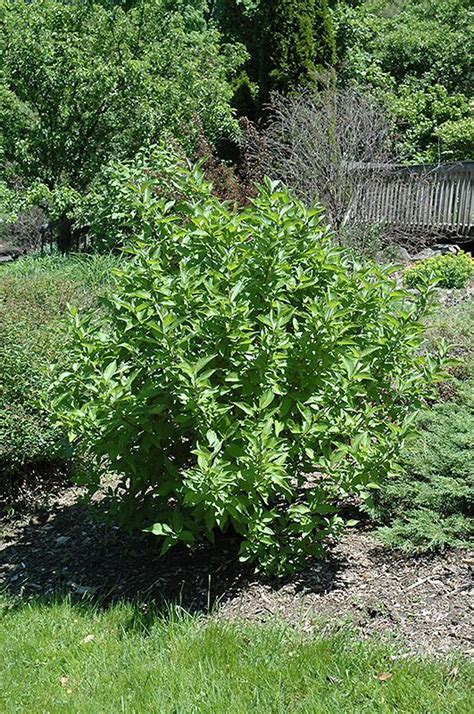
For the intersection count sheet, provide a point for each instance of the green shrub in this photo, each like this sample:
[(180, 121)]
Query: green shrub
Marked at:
[(448, 271), (247, 374), (429, 503), (456, 138), (126, 193), (34, 293)]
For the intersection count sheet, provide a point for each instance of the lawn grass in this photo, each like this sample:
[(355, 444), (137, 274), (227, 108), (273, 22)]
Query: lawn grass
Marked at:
[(78, 658)]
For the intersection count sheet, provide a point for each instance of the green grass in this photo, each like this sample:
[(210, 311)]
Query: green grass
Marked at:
[(179, 664), (94, 271)]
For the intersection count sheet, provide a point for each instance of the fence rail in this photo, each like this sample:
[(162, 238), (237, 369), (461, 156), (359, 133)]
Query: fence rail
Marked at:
[(439, 198)]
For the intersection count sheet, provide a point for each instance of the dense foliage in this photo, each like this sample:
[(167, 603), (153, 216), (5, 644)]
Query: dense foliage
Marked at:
[(33, 298), (429, 503), (246, 373), (418, 56), (81, 84), (288, 42), (85, 83), (447, 271), (8, 205), (298, 38), (126, 193)]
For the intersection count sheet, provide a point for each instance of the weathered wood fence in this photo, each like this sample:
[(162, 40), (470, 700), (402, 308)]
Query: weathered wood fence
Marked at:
[(438, 198)]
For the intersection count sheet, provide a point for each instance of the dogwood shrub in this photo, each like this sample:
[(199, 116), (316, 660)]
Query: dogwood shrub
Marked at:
[(245, 373)]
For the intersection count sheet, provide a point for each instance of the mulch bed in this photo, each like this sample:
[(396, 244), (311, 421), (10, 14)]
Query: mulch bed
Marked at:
[(62, 549)]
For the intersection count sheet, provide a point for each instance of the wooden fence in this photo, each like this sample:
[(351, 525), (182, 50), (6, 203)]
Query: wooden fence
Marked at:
[(438, 198)]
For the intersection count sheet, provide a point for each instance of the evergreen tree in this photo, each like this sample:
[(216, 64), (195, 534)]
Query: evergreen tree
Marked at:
[(288, 41), (287, 49), (241, 21), (324, 36)]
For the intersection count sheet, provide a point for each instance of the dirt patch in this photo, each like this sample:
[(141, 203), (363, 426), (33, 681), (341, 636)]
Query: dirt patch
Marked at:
[(426, 601), (64, 550)]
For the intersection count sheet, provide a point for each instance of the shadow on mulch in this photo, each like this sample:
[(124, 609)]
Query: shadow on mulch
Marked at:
[(65, 550)]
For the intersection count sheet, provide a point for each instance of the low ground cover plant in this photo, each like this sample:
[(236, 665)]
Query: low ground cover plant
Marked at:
[(246, 374), (448, 271), (34, 293), (429, 503)]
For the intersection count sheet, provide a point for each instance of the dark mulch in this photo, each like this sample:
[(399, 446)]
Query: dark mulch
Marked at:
[(63, 549)]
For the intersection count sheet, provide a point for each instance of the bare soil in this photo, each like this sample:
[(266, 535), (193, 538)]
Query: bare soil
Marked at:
[(61, 549)]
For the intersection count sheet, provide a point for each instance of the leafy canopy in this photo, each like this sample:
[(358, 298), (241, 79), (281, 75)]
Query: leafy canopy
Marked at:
[(417, 55), (125, 193), (81, 83)]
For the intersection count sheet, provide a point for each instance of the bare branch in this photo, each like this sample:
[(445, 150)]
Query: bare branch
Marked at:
[(321, 145)]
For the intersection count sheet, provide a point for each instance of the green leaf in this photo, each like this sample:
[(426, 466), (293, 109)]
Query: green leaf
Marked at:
[(159, 529), (266, 399), (110, 370), (248, 410)]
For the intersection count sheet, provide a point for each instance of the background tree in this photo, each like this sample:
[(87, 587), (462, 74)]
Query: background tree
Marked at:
[(288, 42), (287, 51), (83, 84), (324, 36), (416, 56)]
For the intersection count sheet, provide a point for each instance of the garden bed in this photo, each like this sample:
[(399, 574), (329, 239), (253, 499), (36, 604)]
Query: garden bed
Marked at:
[(62, 549)]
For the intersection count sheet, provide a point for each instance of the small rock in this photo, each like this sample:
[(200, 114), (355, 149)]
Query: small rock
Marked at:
[(403, 255), (62, 540), (446, 248), (423, 254), (83, 589)]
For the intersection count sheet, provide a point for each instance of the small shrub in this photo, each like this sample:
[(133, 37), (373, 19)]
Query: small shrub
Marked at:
[(448, 271), (429, 503), (247, 374)]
